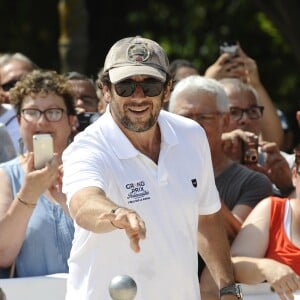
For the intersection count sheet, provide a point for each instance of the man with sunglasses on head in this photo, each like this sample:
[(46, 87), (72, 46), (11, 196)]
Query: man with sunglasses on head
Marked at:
[(141, 169), (13, 66)]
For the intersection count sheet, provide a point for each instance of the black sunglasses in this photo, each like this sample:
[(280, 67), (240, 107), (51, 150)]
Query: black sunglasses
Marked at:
[(9, 85), (151, 87)]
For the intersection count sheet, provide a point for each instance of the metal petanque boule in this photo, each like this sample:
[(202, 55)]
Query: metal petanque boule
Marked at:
[(122, 287)]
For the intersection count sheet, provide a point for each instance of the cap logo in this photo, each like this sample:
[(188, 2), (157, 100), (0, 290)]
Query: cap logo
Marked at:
[(138, 53)]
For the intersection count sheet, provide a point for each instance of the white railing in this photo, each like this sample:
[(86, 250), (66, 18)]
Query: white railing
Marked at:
[(262, 291), (53, 287)]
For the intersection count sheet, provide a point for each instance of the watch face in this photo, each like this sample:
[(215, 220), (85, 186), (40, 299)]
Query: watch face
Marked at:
[(234, 289), (239, 291)]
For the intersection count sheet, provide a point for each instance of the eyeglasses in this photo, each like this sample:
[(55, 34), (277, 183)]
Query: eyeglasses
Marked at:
[(151, 87), (204, 117), (9, 85), (34, 114), (254, 112)]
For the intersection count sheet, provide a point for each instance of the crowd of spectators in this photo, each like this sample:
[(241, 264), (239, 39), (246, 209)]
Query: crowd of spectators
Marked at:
[(258, 183)]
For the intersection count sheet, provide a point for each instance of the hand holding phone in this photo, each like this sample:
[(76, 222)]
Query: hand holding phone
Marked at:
[(230, 48), (42, 149)]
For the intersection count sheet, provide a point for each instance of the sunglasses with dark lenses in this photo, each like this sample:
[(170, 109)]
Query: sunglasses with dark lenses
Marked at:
[(9, 85), (151, 87)]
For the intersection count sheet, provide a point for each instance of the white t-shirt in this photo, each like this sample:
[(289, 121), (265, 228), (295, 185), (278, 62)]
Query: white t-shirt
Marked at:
[(169, 196), (9, 119)]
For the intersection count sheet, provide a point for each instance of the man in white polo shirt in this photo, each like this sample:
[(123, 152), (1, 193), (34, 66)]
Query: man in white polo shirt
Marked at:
[(136, 169)]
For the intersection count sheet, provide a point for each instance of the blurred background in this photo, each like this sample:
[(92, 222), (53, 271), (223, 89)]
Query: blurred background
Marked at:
[(68, 35)]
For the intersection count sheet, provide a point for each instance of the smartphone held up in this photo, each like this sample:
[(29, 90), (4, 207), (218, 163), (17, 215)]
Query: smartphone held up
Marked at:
[(230, 48), (42, 149)]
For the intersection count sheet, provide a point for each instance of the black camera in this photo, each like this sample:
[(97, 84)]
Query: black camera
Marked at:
[(85, 119), (250, 151)]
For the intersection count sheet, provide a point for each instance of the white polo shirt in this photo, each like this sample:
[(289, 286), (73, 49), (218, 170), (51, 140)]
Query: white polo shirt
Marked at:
[(169, 196)]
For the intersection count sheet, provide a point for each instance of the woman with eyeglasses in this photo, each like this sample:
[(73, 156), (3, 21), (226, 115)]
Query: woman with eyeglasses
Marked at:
[(268, 246), (35, 229)]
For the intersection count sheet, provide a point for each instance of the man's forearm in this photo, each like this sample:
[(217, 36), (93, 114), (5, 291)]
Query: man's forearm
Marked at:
[(87, 208), (271, 130), (213, 246)]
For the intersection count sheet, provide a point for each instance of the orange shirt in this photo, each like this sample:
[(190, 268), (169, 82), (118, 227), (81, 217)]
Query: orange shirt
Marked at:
[(280, 247)]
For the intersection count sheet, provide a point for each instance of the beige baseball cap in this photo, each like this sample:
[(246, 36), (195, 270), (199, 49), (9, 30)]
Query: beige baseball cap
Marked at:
[(136, 56)]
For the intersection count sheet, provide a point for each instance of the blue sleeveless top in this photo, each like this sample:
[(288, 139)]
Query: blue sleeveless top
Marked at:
[(49, 233)]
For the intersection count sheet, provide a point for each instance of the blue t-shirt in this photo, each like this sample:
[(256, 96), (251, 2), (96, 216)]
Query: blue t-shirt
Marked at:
[(49, 233)]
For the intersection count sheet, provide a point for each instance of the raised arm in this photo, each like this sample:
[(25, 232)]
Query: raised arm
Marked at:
[(16, 210), (271, 129), (245, 68)]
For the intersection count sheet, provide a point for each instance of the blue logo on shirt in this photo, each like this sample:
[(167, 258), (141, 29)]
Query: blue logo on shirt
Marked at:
[(137, 192)]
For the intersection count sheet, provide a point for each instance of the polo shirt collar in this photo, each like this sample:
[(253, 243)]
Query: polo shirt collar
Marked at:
[(120, 143)]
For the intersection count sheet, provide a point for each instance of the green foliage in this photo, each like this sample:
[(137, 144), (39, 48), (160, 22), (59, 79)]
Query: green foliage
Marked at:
[(193, 29), (30, 27), (187, 29), (268, 27)]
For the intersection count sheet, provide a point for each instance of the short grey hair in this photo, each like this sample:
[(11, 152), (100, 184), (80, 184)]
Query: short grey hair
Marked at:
[(6, 58), (237, 85), (198, 84)]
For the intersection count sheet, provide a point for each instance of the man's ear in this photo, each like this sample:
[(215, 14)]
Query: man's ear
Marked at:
[(294, 176), (225, 123), (298, 117), (73, 121), (106, 91), (167, 91)]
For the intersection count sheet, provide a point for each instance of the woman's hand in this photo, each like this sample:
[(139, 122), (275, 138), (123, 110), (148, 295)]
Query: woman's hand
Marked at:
[(282, 278), (36, 182)]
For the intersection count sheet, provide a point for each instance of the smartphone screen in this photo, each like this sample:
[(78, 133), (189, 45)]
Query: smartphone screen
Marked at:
[(42, 149), (229, 47)]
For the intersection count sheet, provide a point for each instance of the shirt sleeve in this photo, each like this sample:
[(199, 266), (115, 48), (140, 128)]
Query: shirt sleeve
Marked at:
[(83, 166), (209, 199)]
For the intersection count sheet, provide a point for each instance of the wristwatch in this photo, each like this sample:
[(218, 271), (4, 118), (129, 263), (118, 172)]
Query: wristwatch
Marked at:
[(233, 289)]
